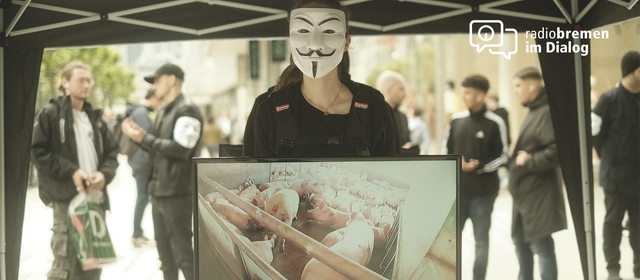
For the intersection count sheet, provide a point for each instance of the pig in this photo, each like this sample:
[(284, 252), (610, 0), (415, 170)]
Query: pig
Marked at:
[(381, 235), (235, 215), (327, 216), (248, 191), (275, 184), (262, 248), (281, 203), (266, 192), (354, 242)]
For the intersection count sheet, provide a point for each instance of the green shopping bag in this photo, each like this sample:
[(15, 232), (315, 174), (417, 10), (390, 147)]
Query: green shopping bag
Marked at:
[(89, 232)]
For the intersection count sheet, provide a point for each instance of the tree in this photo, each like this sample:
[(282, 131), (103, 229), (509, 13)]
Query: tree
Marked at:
[(114, 82)]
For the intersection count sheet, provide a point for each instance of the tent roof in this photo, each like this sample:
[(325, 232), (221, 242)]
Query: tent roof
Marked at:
[(78, 22)]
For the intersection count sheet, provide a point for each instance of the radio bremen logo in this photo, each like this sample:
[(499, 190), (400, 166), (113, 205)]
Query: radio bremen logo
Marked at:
[(490, 36)]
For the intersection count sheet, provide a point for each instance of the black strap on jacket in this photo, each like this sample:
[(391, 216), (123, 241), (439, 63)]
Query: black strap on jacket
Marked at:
[(286, 126)]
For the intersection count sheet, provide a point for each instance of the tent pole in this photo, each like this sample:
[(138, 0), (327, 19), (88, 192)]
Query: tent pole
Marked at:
[(587, 204), (3, 237), (586, 181)]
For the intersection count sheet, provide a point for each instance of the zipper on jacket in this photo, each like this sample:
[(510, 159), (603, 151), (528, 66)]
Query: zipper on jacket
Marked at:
[(62, 136)]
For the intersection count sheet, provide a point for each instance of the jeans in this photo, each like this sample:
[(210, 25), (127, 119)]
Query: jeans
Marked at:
[(142, 199), (478, 209), (65, 257), (616, 205), (172, 217), (543, 247)]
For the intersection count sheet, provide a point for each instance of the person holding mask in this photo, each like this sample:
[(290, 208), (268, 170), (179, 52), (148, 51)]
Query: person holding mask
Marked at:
[(538, 201), (173, 142), (74, 151), (315, 109), (616, 133), (480, 136)]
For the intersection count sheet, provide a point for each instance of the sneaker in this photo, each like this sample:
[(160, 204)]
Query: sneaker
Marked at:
[(142, 241)]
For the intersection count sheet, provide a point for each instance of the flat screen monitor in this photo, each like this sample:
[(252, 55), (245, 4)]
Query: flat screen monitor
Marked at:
[(326, 218)]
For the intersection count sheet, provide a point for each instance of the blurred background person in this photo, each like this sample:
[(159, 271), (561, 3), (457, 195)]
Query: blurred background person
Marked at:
[(616, 127), (212, 137), (479, 135), (140, 162), (534, 182), (393, 86), (74, 152), (419, 131), (493, 104)]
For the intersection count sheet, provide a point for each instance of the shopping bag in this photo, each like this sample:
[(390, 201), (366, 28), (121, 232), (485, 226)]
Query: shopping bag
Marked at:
[(88, 230)]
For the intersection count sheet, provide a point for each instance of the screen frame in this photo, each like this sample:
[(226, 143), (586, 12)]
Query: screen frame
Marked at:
[(250, 160)]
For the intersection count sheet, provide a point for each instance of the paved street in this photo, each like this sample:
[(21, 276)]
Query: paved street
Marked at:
[(142, 263), (133, 263)]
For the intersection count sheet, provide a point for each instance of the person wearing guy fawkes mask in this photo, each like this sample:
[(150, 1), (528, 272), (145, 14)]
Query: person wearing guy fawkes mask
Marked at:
[(315, 109)]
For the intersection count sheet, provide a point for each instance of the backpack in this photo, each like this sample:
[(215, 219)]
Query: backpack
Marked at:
[(286, 126), (125, 145)]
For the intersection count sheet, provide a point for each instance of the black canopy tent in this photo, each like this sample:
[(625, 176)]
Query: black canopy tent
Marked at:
[(30, 26)]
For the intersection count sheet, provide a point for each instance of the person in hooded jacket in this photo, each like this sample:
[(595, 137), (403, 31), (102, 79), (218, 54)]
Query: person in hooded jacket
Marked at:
[(534, 181), (74, 151)]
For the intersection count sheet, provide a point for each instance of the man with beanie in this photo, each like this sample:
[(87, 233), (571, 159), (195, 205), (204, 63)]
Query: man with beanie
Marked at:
[(172, 142), (616, 130)]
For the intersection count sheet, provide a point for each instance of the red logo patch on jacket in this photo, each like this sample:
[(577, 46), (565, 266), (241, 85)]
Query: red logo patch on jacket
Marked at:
[(282, 107), (361, 105)]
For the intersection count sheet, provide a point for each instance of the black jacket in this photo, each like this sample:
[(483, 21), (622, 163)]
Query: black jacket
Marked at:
[(618, 143), (172, 174), (369, 119), (54, 151), (482, 136), (538, 199)]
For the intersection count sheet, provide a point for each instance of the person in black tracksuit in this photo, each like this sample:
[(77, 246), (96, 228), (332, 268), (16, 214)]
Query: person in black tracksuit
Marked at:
[(479, 135), (616, 127)]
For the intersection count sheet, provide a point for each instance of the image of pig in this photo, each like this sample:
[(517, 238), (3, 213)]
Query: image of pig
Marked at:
[(274, 184), (327, 216), (262, 248), (283, 205), (235, 215), (248, 191), (266, 192), (354, 242)]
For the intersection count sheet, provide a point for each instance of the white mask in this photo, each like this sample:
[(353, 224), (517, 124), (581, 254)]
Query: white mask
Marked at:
[(317, 38)]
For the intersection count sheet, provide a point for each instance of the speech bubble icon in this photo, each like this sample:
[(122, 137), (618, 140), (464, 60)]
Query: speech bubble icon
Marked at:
[(486, 34), (507, 50)]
